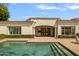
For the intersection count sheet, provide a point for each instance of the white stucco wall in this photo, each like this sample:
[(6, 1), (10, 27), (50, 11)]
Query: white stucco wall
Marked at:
[(4, 30), (39, 22), (76, 29), (26, 27), (59, 30), (27, 30)]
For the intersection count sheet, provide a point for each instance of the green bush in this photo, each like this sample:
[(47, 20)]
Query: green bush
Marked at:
[(19, 36), (2, 36)]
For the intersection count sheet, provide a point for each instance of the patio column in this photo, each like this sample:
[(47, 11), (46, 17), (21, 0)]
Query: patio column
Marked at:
[(51, 31), (33, 31), (55, 32)]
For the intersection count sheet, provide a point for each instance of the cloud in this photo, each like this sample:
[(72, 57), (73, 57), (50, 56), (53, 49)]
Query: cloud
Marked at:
[(73, 6), (46, 7)]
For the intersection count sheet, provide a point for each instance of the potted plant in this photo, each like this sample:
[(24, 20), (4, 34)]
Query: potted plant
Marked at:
[(77, 37)]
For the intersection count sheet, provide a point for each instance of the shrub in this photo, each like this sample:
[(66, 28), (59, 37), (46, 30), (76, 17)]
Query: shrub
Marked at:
[(2, 36), (19, 36)]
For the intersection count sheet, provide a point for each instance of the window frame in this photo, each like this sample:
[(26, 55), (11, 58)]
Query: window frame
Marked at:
[(66, 31), (15, 30)]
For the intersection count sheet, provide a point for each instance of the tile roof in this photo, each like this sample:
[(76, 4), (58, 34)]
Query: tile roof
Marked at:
[(6, 23), (68, 22), (43, 18)]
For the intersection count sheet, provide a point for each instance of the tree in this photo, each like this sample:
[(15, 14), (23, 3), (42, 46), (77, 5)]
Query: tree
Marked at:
[(4, 13)]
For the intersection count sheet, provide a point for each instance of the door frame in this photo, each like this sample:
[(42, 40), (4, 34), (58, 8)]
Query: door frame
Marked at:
[(38, 31)]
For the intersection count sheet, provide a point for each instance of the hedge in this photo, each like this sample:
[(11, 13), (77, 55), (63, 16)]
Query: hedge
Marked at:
[(2, 36), (19, 36)]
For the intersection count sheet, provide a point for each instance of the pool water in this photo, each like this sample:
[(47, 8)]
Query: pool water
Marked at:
[(33, 49)]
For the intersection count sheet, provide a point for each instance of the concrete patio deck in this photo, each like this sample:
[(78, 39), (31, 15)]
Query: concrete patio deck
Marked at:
[(70, 43)]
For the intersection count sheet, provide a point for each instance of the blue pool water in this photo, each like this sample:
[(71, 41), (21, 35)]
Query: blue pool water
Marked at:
[(33, 49)]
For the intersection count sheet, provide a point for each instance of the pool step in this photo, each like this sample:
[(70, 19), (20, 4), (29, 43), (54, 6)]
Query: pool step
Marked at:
[(54, 50), (64, 50), (60, 50), (61, 53)]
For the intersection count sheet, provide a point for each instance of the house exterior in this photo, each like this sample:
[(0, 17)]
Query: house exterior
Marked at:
[(52, 27)]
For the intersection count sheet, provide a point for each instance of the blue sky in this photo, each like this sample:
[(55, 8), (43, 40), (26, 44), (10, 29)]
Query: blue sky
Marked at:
[(23, 11)]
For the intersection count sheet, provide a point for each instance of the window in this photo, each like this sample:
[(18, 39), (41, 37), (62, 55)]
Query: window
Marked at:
[(15, 30), (68, 30)]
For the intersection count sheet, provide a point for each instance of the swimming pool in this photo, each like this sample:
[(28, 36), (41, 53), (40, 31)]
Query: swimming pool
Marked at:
[(34, 49)]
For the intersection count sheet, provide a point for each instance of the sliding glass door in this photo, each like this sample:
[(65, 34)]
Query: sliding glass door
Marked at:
[(14, 30), (44, 31), (68, 31)]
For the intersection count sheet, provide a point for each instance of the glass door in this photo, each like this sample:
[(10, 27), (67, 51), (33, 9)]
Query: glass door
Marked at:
[(45, 32)]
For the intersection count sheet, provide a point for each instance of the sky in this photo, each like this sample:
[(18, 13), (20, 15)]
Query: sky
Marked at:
[(23, 11)]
